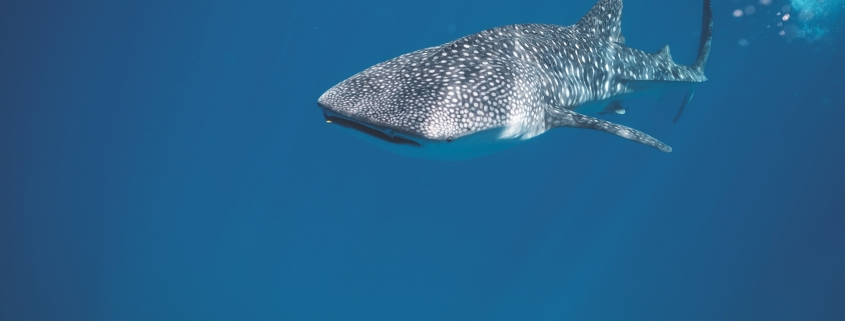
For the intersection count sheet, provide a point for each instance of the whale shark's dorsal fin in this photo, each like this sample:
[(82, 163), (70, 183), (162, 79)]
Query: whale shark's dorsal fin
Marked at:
[(604, 20), (664, 53)]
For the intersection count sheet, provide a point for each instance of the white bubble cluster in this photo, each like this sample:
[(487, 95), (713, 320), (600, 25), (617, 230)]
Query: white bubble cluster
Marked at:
[(814, 16), (806, 19)]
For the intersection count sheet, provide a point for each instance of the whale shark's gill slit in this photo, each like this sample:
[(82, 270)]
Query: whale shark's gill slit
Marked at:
[(371, 131)]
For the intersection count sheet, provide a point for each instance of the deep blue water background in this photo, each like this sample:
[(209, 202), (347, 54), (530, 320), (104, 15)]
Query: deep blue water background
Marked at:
[(167, 160)]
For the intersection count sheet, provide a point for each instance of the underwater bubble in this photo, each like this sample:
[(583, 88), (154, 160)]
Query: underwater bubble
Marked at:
[(814, 16), (790, 32), (749, 10), (818, 6)]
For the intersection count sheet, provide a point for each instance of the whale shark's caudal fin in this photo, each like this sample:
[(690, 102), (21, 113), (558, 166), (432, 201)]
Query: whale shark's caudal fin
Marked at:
[(703, 51), (706, 37), (604, 20), (684, 103)]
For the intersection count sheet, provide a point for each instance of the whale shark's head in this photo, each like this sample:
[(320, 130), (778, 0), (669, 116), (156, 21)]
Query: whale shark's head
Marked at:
[(429, 100), (438, 94)]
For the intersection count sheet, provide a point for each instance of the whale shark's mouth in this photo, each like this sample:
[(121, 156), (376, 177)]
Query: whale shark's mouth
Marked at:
[(371, 130)]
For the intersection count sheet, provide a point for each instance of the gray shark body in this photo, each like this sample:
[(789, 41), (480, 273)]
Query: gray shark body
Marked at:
[(496, 88)]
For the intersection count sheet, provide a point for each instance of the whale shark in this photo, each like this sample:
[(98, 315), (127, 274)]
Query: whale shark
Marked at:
[(499, 87)]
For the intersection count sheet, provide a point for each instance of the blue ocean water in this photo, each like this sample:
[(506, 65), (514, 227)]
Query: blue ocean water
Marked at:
[(165, 160)]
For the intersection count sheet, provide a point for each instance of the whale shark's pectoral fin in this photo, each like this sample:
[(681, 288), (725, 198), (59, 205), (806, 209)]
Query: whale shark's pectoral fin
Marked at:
[(559, 117), (684, 103)]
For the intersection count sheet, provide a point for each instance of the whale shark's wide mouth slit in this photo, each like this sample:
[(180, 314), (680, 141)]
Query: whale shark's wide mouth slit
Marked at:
[(348, 123)]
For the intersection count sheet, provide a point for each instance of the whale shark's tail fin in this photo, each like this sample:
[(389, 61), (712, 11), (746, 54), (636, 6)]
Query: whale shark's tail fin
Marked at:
[(684, 103), (706, 37), (703, 51)]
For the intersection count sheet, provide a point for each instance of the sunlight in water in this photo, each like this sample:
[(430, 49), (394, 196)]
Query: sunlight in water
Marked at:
[(797, 19), (815, 15)]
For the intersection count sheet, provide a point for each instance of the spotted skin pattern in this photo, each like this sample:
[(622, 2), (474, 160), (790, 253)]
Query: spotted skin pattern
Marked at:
[(523, 79)]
